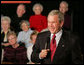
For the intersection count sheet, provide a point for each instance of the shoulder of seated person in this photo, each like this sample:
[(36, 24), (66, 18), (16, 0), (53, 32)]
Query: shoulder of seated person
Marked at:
[(9, 46), (32, 16), (43, 16), (21, 32)]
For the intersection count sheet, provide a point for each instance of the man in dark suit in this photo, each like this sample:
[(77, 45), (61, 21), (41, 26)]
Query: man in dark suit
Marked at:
[(56, 46)]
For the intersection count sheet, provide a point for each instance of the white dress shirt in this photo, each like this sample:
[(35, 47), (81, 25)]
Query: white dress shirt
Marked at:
[(58, 36)]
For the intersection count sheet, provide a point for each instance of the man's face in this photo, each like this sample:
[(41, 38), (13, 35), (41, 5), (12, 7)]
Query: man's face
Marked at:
[(63, 8), (20, 10), (53, 24)]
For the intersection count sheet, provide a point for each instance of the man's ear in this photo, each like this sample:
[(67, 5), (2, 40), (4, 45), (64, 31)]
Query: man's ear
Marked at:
[(66, 9), (24, 11), (62, 23)]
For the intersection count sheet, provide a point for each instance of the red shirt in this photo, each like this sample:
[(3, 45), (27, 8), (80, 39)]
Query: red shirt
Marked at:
[(38, 22)]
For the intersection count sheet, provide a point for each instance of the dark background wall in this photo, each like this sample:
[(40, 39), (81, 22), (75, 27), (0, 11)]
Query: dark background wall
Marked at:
[(75, 10)]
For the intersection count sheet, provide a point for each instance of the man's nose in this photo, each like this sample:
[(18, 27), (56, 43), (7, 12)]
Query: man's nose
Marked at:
[(51, 24)]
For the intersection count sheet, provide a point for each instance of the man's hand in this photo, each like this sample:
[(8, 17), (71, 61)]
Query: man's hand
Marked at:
[(44, 53)]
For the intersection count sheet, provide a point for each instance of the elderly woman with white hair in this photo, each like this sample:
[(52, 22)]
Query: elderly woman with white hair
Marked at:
[(38, 22), (24, 35), (5, 28)]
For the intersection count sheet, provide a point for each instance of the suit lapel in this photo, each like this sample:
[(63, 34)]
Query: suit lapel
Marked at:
[(61, 46)]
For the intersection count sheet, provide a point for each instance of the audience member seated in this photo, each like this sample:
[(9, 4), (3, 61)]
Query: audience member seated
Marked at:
[(24, 35), (20, 15), (29, 49), (63, 7), (5, 29), (15, 53), (38, 22)]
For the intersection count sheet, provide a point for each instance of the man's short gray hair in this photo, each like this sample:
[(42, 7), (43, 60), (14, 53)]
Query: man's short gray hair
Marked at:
[(6, 18), (38, 4), (57, 12), (64, 2)]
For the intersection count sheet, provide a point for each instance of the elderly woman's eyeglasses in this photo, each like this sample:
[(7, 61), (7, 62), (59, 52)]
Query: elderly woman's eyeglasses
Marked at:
[(12, 38)]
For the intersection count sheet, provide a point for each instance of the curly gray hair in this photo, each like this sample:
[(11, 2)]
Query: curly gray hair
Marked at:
[(38, 4)]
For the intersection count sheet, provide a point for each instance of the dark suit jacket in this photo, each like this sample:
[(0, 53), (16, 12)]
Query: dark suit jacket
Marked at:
[(67, 52)]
